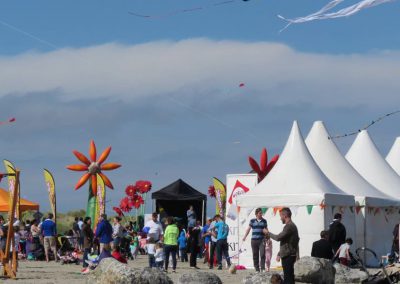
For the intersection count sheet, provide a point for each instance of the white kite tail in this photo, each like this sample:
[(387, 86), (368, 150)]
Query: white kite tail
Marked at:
[(312, 16), (345, 12)]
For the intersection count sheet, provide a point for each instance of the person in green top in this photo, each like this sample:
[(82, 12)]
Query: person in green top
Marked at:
[(134, 245), (171, 235)]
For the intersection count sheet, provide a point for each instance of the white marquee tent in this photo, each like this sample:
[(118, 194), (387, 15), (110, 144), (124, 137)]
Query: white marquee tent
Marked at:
[(364, 156), (366, 159), (344, 176), (298, 183), (393, 158)]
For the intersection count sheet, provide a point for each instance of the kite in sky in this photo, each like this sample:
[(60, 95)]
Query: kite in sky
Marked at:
[(187, 10), (345, 12), (11, 120)]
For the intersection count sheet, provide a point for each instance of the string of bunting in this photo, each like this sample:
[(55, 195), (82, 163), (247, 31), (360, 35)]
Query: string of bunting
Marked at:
[(341, 209), (365, 127)]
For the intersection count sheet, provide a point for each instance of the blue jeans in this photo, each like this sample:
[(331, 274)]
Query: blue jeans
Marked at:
[(152, 260), (85, 256), (168, 249)]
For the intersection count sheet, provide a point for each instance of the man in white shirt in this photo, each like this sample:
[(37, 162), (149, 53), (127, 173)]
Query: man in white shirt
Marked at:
[(155, 229)]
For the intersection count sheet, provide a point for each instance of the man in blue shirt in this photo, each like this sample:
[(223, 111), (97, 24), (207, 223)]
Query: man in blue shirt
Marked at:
[(104, 232), (49, 232), (258, 226), (222, 242)]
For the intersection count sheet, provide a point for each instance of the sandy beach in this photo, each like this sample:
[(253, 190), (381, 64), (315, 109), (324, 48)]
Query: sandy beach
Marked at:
[(42, 272)]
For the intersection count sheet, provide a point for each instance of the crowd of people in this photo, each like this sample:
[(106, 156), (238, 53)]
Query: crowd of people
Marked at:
[(167, 242), (164, 242)]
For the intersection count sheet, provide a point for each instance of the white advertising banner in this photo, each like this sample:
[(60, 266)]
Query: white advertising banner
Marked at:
[(238, 218)]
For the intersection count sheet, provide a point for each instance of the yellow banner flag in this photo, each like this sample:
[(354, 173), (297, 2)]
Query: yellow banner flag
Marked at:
[(220, 195), (100, 201), (51, 189), (10, 169)]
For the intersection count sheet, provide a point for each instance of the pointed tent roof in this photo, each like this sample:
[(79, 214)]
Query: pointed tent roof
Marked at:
[(393, 158), (295, 180), (178, 190), (338, 169), (366, 159)]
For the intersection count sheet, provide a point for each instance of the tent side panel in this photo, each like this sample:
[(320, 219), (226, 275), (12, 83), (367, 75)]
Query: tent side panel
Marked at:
[(379, 228)]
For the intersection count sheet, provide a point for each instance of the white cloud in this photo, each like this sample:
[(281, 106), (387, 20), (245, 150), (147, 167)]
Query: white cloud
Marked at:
[(273, 73)]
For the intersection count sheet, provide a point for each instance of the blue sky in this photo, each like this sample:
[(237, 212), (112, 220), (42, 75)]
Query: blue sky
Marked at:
[(164, 92)]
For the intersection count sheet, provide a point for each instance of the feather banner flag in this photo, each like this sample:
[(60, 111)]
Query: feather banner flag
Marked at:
[(345, 12), (51, 189), (10, 169), (220, 195), (100, 201)]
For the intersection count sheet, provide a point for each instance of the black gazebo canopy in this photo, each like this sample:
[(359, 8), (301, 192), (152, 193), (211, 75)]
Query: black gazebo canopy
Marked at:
[(176, 198)]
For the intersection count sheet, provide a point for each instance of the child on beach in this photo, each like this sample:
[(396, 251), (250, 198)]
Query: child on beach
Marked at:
[(134, 245), (151, 251), (268, 253), (344, 252), (182, 242), (159, 256)]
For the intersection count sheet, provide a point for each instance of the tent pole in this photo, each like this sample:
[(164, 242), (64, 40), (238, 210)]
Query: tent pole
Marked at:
[(238, 234), (202, 215), (365, 234)]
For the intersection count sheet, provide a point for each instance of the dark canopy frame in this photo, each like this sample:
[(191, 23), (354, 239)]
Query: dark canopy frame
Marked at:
[(176, 198)]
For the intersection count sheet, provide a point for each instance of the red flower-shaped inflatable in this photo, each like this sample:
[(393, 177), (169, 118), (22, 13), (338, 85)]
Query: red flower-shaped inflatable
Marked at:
[(264, 168), (144, 186), (93, 167), (136, 201), (118, 211), (131, 190), (125, 204), (211, 191)]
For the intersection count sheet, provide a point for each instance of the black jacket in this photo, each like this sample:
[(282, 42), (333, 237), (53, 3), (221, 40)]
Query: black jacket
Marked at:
[(337, 233), (289, 240), (322, 249)]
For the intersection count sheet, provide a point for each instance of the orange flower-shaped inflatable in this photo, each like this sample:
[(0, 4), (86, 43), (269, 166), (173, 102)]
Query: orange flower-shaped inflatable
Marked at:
[(93, 167)]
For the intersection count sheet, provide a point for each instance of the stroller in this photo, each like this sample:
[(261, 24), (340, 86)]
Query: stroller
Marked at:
[(67, 253), (70, 257)]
